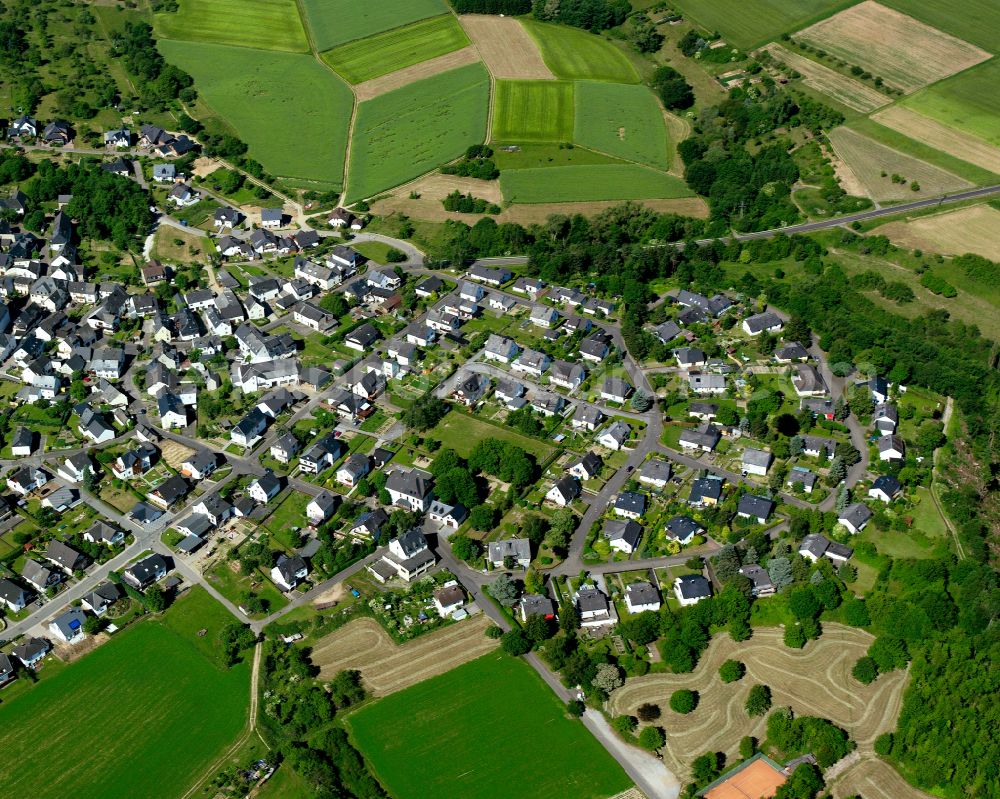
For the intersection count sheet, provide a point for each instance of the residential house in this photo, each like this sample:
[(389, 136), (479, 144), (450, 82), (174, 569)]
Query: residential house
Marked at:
[(173, 412), (759, 323), (690, 589), (544, 316), (101, 598), (321, 507), (519, 549), (799, 475), (65, 557), (760, 580), (101, 532), (563, 491), (683, 529), (444, 515), (567, 375), (490, 276), (807, 381), (13, 596), (369, 524), (362, 338), (532, 362), (615, 389), (536, 605), (26, 479), (630, 504), (289, 571), (791, 351), (615, 436), (448, 598), (891, 448), (855, 517), (353, 469), (68, 626), (470, 388), (134, 462), (704, 437), (587, 467), (249, 430), (707, 383), (623, 535), (885, 488), (168, 492), (410, 488), (31, 651), (500, 348), (642, 596), (758, 509), (706, 490), (655, 472), (587, 417), (75, 468), (885, 418), (407, 556), (815, 546), (264, 488), (284, 448), (594, 608), (200, 464), (756, 461)]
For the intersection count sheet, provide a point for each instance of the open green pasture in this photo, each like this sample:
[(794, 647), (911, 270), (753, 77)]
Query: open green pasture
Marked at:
[(749, 25), (333, 22), (504, 727), (976, 21), (461, 432), (589, 183), (292, 112), (407, 132), (143, 716), (532, 110), (968, 101), (267, 24), (397, 49), (624, 121), (574, 54)]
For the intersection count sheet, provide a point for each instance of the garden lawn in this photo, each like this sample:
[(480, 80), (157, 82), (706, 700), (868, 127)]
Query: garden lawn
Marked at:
[(533, 110), (292, 112), (162, 706), (585, 183), (968, 101), (624, 121), (461, 433), (407, 132), (574, 54), (503, 725), (334, 22), (747, 25), (267, 24), (397, 49)]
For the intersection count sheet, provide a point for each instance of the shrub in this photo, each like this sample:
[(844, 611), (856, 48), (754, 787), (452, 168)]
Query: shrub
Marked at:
[(758, 701), (731, 671), (648, 712), (651, 738), (865, 671), (683, 701), (883, 744)]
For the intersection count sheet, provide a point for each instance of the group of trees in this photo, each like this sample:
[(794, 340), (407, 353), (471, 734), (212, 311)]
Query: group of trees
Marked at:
[(591, 15), (477, 163), (508, 8), (157, 82), (467, 204)]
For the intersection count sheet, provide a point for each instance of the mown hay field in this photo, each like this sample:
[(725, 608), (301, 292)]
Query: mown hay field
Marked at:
[(748, 25), (623, 121), (977, 21), (969, 102), (586, 183), (975, 229), (903, 51), (404, 133), (574, 54), (334, 22), (489, 729), (506, 47), (293, 112), (371, 89), (397, 49), (265, 24), (847, 91), (532, 110)]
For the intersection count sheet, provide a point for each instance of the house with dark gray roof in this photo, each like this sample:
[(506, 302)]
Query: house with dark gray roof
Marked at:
[(642, 596), (759, 509), (683, 529), (855, 517), (691, 589), (623, 535)]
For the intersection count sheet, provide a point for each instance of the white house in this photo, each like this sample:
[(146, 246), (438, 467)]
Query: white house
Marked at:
[(690, 589), (640, 597), (564, 491)]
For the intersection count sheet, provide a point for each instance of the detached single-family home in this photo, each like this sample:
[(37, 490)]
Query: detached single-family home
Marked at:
[(501, 349), (519, 549), (683, 529), (594, 608), (68, 627), (38, 576), (264, 488), (410, 488), (759, 323), (760, 580), (642, 596), (65, 557), (855, 517), (704, 438), (101, 598), (758, 509), (815, 546), (791, 351), (564, 491), (31, 652), (536, 605), (544, 316), (690, 589), (321, 507), (13, 596), (448, 598), (799, 475), (707, 383), (655, 472), (101, 532), (891, 448), (623, 535), (147, 571), (586, 467), (885, 488), (756, 461), (630, 504), (408, 556), (885, 417), (807, 381), (615, 389), (444, 515), (288, 572), (353, 469), (615, 436)]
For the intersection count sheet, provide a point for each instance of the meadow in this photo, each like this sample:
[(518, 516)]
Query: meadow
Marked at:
[(584, 183), (574, 54), (292, 112), (266, 24), (503, 728), (969, 102), (533, 110), (404, 133), (461, 432), (623, 121), (333, 22), (155, 695), (397, 49), (978, 22), (748, 25)]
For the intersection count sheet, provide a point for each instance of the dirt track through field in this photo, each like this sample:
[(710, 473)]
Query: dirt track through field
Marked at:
[(387, 667), (972, 229), (506, 47), (952, 141), (813, 681), (852, 93), (426, 69)]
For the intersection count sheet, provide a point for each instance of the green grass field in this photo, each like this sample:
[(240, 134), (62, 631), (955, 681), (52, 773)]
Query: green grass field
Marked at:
[(533, 110), (586, 183), (461, 433), (267, 24), (409, 131), (503, 728), (574, 54), (396, 49), (333, 22), (976, 21), (748, 25), (142, 716), (292, 111), (624, 121), (968, 101), (549, 155)]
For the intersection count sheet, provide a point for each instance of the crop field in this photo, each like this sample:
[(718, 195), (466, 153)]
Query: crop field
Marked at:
[(532, 110), (574, 54), (292, 112), (153, 695), (371, 89), (586, 183), (334, 22), (503, 726), (623, 121), (398, 48), (751, 24), (978, 21), (847, 91), (868, 159), (974, 229), (815, 681), (505, 47), (409, 131), (901, 50), (969, 102), (386, 666), (934, 134), (266, 24)]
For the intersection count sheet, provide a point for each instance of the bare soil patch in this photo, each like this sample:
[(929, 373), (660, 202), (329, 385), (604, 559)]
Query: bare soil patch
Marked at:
[(203, 166), (975, 229), (505, 47), (847, 91), (175, 453), (904, 52), (425, 69), (387, 667), (955, 142), (331, 596)]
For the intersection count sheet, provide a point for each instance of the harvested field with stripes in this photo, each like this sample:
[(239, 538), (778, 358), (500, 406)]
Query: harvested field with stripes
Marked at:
[(971, 229), (404, 77), (941, 137), (506, 47), (847, 91)]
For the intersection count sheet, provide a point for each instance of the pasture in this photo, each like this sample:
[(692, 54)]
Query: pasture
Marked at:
[(153, 695), (969, 102), (532, 110), (407, 132), (265, 24), (462, 432), (623, 121), (938, 136), (751, 24), (504, 727), (815, 681), (586, 183), (869, 160), (333, 22), (386, 666), (396, 49), (846, 91), (574, 54), (973, 229), (505, 46), (978, 22), (292, 112), (903, 51)]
